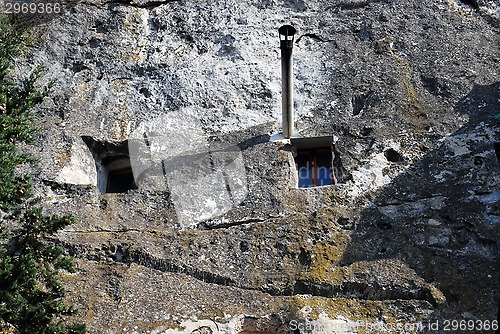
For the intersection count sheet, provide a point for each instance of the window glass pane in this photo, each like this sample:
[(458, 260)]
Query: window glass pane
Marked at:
[(324, 171), (305, 172)]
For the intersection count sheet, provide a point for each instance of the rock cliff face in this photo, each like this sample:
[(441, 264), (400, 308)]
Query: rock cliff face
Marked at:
[(409, 235)]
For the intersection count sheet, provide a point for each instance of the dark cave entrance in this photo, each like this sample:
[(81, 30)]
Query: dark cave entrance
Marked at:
[(114, 169)]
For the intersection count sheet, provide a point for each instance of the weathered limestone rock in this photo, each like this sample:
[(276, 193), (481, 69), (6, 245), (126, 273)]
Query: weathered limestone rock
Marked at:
[(409, 90)]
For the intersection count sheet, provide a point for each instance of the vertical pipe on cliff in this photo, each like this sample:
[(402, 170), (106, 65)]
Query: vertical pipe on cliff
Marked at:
[(287, 33)]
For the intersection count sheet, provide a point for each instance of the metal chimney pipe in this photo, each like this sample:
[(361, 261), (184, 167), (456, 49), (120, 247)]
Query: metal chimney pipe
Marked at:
[(287, 33)]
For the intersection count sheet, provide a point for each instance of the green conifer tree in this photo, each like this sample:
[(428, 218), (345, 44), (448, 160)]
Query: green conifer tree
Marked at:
[(31, 293)]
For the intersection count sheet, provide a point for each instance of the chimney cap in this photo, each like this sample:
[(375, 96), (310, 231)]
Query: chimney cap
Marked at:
[(287, 30)]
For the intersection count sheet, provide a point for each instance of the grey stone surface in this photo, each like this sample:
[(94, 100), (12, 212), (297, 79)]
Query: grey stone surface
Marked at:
[(408, 88)]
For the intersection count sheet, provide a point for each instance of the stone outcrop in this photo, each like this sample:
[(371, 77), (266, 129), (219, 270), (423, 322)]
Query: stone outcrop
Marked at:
[(409, 91)]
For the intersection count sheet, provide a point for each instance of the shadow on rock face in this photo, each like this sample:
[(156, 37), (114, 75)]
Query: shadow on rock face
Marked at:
[(440, 217)]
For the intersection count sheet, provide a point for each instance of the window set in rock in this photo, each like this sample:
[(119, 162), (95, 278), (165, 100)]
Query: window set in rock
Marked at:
[(314, 161), (114, 170)]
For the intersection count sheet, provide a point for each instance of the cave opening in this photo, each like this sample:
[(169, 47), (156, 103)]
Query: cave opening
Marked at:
[(113, 165)]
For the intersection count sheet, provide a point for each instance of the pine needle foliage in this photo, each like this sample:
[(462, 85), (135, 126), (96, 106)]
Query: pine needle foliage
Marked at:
[(31, 292)]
